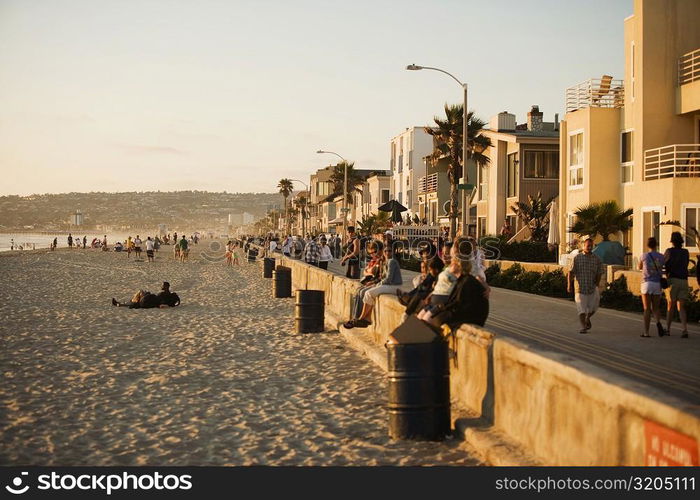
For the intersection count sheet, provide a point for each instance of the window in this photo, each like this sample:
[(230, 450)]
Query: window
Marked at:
[(650, 224), (400, 200), (481, 226), (512, 178), (483, 182), (409, 198), (385, 196), (576, 160), (331, 211), (632, 68), (627, 165), (691, 219), (541, 164)]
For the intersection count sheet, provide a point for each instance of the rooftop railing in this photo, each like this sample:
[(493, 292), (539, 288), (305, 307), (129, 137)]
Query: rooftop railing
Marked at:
[(675, 160), (596, 93), (689, 67)]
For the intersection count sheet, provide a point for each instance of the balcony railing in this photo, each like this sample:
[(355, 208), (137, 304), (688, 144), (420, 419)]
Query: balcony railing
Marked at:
[(689, 67), (596, 93), (676, 160), (428, 184)]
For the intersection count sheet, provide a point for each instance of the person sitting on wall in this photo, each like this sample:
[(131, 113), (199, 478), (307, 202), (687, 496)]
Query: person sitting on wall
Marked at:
[(467, 303), (425, 288), (391, 280)]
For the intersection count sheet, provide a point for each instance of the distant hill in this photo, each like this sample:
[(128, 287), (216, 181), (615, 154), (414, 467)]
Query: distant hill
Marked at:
[(183, 209)]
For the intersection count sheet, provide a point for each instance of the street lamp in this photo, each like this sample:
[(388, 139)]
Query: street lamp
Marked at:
[(303, 226), (465, 136), (345, 190)]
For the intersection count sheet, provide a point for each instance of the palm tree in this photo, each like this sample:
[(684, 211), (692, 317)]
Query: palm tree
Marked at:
[(302, 202), (604, 218), (374, 223), (286, 188), (338, 178), (447, 141), (535, 214)]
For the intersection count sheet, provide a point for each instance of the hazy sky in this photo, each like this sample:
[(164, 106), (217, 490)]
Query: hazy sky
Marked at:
[(234, 95)]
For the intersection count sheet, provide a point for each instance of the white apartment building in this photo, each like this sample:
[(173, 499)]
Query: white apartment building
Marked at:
[(407, 152)]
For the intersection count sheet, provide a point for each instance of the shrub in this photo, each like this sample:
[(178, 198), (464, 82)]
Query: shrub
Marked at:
[(552, 284), (495, 247), (617, 296)]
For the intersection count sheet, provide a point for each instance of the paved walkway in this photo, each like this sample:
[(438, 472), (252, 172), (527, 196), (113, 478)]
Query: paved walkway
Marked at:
[(670, 363)]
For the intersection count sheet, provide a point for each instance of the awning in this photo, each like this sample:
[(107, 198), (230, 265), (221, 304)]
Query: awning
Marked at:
[(337, 220)]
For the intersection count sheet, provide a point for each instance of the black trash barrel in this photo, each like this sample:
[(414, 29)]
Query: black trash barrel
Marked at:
[(252, 253), (419, 382), (268, 267), (282, 283), (309, 311)]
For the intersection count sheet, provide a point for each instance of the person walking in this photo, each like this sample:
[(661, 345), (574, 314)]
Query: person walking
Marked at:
[(352, 255), (184, 250), (150, 247), (326, 255), (676, 259), (137, 246), (84, 242), (651, 264), (70, 241), (584, 278), (312, 253), (55, 244)]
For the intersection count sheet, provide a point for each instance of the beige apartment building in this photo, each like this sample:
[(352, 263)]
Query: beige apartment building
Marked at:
[(637, 139), (375, 192), (523, 161)]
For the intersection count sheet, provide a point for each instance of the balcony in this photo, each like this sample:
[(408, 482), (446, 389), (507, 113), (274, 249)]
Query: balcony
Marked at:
[(596, 93), (688, 99), (675, 160), (428, 184)]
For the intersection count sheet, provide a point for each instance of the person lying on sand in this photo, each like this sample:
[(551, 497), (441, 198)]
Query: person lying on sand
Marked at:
[(147, 300)]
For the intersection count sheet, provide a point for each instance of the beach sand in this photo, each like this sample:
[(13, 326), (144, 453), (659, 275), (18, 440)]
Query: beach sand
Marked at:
[(220, 380)]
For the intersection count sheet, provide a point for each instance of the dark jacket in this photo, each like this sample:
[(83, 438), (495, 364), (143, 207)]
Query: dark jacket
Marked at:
[(466, 304)]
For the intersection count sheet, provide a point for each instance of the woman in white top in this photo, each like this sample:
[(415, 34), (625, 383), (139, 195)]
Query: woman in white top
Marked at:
[(326, 255)]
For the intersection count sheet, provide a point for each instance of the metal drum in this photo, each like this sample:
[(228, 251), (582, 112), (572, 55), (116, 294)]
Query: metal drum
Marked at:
[(309, 311), (268, 267), (282, 283), (419, 383)]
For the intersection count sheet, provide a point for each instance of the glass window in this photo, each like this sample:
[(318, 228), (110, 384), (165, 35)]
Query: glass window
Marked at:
[(409, 198), (483, 182), (385, 196), (626, 147), (512, 179), (692, 221), (542, 164), (576, 159)]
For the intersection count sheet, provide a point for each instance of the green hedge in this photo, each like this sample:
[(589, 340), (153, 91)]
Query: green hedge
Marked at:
[(553, 284), (496, 248)]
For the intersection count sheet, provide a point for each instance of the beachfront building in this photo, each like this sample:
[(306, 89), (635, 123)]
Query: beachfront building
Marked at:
[(320, 187), (407, 152), (636, 140), (523, 161), (375, 192), (434, 192)]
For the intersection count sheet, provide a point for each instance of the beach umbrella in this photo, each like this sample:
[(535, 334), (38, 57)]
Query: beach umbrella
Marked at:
[(553, 236), (395, 208)]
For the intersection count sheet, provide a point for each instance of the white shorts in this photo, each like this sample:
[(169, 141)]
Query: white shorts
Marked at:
[(371, 295), (587, 303), (651, 288)]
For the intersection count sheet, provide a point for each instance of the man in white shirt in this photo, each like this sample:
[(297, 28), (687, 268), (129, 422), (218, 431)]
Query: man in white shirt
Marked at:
[(137, 246), (149, 249)]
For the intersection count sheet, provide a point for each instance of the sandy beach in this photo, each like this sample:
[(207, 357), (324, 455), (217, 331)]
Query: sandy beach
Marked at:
[(220, 380)]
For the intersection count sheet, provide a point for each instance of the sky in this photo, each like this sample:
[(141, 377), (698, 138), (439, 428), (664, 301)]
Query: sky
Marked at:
[(234, 95)]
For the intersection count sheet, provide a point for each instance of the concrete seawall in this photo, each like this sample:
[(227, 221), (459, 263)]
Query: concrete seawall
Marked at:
[(552, 408)]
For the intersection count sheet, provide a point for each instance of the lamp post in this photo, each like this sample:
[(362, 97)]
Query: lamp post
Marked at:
[(465, 148), (345, 190), (303, 226)]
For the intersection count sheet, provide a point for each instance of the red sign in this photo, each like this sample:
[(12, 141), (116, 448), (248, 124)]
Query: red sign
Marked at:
[(666, 447)]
